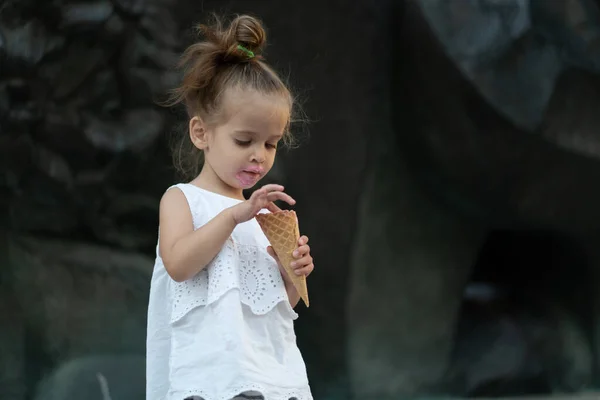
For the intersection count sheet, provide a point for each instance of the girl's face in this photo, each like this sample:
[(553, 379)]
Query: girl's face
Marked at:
[(240, 152)]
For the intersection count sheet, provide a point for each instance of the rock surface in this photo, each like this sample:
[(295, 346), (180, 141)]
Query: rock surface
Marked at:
[(432, 123), (484, 137)]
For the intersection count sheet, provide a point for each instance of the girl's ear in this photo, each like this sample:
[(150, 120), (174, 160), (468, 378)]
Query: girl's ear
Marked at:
[(198, 133)]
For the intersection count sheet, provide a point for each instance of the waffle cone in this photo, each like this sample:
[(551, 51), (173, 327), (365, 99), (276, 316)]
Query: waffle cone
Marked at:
[(281, 229)]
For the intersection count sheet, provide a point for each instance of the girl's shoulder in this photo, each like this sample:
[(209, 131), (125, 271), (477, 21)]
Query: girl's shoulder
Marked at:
[(193, 192), (205, 205), (203, 202)]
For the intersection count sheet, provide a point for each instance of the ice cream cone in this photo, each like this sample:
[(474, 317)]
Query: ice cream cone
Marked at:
[(281, 229)]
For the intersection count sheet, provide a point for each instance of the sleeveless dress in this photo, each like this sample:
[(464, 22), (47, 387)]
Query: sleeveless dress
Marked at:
[(229, 330)]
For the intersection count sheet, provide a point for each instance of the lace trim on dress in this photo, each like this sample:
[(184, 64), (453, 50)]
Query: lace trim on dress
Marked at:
[(270, 393), (257, 278), (248, 268)]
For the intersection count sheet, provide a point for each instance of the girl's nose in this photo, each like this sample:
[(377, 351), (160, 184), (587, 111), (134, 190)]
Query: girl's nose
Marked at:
[(258, 155)]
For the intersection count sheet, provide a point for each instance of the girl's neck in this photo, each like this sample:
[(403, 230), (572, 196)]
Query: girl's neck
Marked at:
[(209, 180)]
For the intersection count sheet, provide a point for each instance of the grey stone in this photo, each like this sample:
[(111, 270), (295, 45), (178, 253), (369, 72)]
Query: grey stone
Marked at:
[(30, 42), (573, 27), (12, 343), (136, 130), (24, 111), (4, 101), (67, 163), (49, 209), (78, 65), (485, 47), (160, 26), (423, 220), (410, 264), (120, 224), (504, 348), (493, 149), (97, 377), (491, 41), (135, 7), (154, 82), (86, 13), (77, 289), (150, 53), (572, 109), (54, 166), (115, 25), (70, 300)]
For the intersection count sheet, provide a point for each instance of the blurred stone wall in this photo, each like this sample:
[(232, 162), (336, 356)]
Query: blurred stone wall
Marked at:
[(493, 141), (414, 153), (84, 161)]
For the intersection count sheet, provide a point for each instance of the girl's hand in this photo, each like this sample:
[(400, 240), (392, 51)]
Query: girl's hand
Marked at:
[(261, 198), (303, 263)]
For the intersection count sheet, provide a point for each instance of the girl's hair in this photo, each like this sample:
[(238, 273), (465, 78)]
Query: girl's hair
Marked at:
[(229, 57)]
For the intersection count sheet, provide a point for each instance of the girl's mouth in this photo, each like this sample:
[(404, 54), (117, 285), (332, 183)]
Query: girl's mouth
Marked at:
[(248, 177)]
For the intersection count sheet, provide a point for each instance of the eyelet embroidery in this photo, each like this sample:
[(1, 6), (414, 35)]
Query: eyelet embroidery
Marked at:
[(268, 393), (257, 278), (246, 267)]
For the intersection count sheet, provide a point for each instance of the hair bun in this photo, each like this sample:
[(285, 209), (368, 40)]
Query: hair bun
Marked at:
[(249, 32), (244, 31)]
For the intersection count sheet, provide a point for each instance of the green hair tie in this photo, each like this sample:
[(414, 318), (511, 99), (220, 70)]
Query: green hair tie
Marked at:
[(249, 53)]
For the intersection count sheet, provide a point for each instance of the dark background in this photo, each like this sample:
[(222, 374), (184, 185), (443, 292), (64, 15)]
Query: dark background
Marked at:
[(447, 178)]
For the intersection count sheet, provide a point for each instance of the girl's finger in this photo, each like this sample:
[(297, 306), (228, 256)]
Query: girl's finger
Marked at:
[(260, 198), (301, 263), (272, 187), (272, 207), (272, 196), (258, 195), (305, 270), (302, 250), (302, 240), (272, 253)]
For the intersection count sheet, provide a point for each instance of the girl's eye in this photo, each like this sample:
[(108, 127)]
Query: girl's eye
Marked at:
[(271, 146), (242, 142)]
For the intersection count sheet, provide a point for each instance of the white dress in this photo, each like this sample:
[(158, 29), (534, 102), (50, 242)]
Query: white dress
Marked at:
[(228, 330)]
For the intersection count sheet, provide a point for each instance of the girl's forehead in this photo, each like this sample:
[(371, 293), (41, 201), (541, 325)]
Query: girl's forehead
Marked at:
[(235, 99), (256, 111)]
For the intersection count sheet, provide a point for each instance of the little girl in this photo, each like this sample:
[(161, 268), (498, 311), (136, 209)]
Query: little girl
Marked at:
[(220, 314)]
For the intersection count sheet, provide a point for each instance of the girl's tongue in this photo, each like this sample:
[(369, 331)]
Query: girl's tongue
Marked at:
[(247, 178)]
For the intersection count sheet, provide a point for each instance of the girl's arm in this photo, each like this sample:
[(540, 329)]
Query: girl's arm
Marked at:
[(186, 251), (292, 293)]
